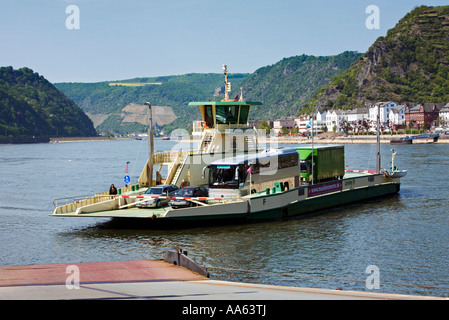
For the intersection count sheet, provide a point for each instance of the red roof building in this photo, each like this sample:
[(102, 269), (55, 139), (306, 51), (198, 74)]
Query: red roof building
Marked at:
[(422, 114)]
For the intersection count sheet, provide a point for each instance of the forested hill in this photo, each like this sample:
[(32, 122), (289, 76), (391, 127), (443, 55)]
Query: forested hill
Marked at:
[(409, 65), (285, 86), (108, 99), (282, 88), (32, 106)]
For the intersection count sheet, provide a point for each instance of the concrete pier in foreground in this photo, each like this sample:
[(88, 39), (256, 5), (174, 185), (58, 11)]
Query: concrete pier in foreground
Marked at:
[(152, 280)]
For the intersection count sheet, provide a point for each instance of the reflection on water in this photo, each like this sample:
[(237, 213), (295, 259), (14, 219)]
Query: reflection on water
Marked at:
[(405, 236)]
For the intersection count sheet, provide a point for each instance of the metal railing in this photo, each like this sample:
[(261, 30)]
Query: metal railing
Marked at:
[(71, 204)]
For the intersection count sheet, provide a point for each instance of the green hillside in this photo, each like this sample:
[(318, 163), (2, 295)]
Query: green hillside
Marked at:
[(32, 106), (171, 91), (282, 88), (410, 64), (285, 86)]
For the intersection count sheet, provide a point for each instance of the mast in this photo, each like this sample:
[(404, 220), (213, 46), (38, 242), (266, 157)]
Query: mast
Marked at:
[(378, 138), (313, 167), (227, 84), (150, 146)]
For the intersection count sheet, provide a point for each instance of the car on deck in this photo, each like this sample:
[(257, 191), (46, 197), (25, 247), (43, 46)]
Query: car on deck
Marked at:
[(162, 190), (188, 192)]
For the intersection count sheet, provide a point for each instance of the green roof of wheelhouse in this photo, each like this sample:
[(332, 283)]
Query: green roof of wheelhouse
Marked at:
[(225, 103)]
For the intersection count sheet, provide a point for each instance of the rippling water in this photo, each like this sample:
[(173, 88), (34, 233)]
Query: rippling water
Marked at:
[(405, 236)]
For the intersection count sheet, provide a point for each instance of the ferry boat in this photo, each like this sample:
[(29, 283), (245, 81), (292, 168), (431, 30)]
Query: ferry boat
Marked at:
[(246, 181)]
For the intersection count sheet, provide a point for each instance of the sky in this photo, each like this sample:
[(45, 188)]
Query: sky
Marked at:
[(107, 40)]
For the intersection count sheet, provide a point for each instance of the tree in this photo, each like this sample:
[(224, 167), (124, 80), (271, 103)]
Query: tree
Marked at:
[(265, 126), (284, 130), (345, 126)]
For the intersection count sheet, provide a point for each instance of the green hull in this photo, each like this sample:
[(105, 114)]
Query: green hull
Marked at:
[(299, 208), (311, 205)]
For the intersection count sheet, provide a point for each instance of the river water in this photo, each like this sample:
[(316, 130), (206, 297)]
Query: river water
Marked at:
[(404, 238)]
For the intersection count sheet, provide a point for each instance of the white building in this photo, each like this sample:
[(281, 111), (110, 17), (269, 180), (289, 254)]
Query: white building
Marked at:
[(302, 122), (334, 118), (321, 116), (357, 114), (320, 121), (397, 115), (385, 108), (444, 116)]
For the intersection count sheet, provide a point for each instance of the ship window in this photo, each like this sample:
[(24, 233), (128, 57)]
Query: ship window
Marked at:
[(227, 114), (244, 111), (287, 161), (209, 117), (223, 177)]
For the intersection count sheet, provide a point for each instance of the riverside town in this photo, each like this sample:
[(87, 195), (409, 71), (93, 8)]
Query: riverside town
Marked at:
[(395, 118)]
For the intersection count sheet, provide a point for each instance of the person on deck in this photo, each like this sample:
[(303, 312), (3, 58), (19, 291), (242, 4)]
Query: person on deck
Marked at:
[(158, 178), (112, 190)]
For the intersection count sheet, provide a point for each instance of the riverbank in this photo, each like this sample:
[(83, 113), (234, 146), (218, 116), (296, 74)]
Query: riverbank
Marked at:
[(334, 138), (22, 140), (341, 139), (80, 139)]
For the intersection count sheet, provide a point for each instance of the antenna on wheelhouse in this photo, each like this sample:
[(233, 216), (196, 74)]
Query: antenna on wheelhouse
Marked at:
[(227, 84)]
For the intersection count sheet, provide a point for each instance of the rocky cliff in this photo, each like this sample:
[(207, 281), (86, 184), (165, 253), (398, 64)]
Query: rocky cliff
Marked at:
[(410, 64)]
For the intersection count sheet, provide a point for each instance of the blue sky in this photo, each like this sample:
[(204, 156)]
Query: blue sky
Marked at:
[(120, 39)]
